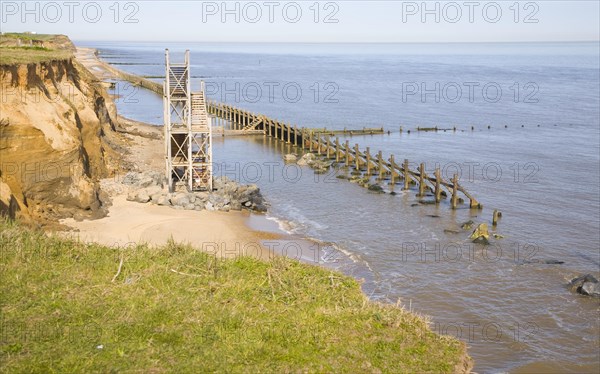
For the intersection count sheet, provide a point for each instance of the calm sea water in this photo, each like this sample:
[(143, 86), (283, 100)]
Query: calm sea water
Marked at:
[(538, 163)]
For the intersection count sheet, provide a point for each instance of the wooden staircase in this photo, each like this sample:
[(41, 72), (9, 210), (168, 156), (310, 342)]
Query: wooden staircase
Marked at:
[(199, 112), (252, 126)]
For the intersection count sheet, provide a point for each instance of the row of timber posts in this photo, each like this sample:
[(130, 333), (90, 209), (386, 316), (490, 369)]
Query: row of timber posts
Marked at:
[(314, 141)]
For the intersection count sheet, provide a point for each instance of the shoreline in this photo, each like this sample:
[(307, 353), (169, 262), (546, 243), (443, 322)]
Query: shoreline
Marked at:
[(225, 234), (277, 240), (155, 224)]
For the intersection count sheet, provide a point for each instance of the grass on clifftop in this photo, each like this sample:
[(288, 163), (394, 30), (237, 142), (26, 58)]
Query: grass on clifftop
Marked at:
[(29, 55), (177, 309), (12, 54)]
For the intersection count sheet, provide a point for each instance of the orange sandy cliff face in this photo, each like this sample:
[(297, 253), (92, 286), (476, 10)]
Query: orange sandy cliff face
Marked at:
[(57, 139)]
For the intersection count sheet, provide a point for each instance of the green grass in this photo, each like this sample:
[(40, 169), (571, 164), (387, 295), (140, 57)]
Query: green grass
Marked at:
[(26, 54), (176, 309), (30, 48), (27, 37), (29, 55)]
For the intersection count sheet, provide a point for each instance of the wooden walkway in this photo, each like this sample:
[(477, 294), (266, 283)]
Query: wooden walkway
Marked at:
[(321, 141), (245, 122), (229, 120)]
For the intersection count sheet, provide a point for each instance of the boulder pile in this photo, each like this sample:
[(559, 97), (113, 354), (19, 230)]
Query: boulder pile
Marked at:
[(150, 187)]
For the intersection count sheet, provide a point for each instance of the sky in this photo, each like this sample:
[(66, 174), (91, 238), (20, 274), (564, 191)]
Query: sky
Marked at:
[(307, 21)]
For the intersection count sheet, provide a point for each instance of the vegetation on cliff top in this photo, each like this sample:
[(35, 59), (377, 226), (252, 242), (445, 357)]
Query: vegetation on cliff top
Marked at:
[(71, 307), (20, 48)]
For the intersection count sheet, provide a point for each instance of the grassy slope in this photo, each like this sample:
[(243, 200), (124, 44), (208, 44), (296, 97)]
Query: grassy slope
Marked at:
[(58, 306), (12, 55)]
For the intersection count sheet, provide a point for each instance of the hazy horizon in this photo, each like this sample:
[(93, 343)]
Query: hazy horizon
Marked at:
[(310, 21)]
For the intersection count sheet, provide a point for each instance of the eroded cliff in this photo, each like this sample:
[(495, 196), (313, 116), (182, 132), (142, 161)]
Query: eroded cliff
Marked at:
[(57, 139)]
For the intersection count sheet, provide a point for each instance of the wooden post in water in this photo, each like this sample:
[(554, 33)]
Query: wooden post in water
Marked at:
[(438, 189), (274, 129), (356, 156), (422, 179), (393, 170), (495, 217), (337, 149), (368, 156), (296, 135), (327, 146), (347, 155), (406, 175), (380, 165), (474, 203), (282, 131), (454, 191), (303, 133), (319, 144), (310, 140)]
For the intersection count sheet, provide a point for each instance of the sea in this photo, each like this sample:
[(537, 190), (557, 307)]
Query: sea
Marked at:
[(518, 122)]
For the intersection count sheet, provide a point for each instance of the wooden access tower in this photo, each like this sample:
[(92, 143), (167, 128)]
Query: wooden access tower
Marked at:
[(188, 135)]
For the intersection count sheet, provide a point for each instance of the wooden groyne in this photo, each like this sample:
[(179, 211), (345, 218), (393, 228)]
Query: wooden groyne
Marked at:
[(243, 122), (366, 164), (230, 120), (132, 78), (254, 123)]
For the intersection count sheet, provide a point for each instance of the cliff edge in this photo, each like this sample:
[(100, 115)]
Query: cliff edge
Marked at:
[(57, 132)]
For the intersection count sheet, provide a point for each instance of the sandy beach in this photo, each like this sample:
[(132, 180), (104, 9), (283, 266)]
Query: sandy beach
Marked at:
[(224, 234)]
